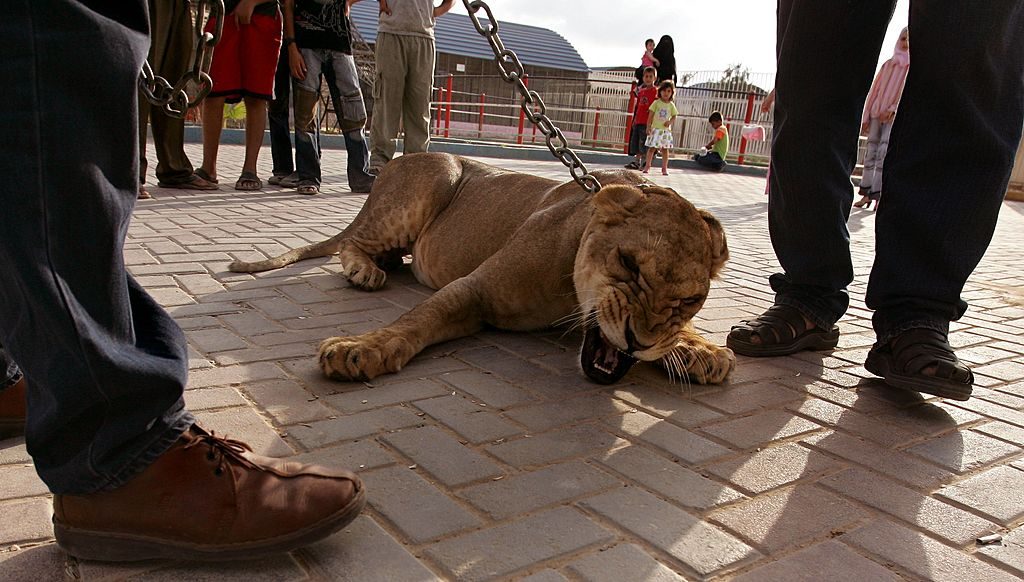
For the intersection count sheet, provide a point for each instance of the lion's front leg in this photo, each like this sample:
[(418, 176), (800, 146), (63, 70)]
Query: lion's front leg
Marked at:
[(698, 359), (452, 312)]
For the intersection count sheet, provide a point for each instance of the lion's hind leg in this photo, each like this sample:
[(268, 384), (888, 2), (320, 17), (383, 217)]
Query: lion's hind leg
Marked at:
[(698, 360)]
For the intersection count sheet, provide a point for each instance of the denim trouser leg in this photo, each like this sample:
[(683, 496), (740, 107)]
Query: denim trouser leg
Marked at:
[(950, 156), (817, 120), (106, 364), (307, 136), (277, 116), (350, 109)]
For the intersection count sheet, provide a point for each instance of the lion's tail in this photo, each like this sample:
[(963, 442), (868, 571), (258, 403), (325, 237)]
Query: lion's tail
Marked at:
[(319, 249)]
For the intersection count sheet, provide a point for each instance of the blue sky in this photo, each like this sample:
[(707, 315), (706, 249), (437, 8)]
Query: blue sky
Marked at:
[(707, 35)]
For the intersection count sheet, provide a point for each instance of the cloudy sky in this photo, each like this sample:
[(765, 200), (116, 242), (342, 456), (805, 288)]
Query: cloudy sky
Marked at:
[(707, 35)]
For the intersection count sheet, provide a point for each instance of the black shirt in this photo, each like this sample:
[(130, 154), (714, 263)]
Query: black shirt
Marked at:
[(322, 24)]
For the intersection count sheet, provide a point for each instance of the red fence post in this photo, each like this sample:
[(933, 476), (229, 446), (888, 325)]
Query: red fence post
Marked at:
[(522, 115), (440, 101), (448, 110), (629, 117), (597, 123), (746, 121), (480, 118)]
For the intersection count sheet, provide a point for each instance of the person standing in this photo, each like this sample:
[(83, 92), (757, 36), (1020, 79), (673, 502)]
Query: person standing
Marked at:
[(104, 365), (943, 187), (879, 112), (404, 53), (318, 39), (278, 121), (665, 55), (169, 54)]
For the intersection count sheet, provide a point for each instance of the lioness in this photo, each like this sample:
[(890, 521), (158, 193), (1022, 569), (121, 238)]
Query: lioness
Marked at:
[(633, 263)]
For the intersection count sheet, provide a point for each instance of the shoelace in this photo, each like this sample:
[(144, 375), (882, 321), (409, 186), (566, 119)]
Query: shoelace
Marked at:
[(222, 449)]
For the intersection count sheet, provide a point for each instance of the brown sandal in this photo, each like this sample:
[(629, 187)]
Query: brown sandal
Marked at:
[(902, 361), (780, 331)]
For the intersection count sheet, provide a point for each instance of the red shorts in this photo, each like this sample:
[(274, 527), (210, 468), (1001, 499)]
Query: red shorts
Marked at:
[(245, 59)]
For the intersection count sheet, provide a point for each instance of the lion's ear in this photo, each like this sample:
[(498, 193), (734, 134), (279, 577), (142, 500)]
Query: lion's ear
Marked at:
[(617, 202), (719, 248)]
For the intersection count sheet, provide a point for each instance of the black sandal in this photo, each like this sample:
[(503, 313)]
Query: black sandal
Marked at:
[(781, 331), (901, 363)]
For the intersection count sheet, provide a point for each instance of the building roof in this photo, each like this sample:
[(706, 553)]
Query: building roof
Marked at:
[(454, 34)]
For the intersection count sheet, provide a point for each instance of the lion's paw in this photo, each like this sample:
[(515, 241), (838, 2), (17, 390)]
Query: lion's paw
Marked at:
[(368, 276), (703, 363), (363, 357)]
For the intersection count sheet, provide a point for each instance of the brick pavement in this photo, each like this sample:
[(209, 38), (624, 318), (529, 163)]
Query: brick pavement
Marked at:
[(491, 457)]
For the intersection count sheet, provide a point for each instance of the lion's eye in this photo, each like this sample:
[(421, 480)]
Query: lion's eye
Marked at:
[(693, 299), (629, 263)]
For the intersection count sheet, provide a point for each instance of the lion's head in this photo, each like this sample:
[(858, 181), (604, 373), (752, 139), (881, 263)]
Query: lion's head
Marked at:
[(643, 269)]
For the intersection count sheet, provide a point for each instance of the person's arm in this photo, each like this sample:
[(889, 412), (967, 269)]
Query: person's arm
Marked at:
[(445, 6), (295, 61), (384, 8), (769, 100), (654, 59), (348, 5)]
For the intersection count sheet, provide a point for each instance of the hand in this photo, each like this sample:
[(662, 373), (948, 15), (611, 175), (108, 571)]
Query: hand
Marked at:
[(296, 63), (384, 7), (243, 12), (887, 117)]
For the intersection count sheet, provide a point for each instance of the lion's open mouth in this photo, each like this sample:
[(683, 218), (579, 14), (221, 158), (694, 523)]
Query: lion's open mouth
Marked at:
[(601, 361)]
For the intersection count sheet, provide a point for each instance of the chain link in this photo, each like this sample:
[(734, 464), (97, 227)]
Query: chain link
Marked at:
[(175, 100), (512, 71)]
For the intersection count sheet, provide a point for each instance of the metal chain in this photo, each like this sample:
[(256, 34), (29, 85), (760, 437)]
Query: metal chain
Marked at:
[(512, 71), (175, 99)]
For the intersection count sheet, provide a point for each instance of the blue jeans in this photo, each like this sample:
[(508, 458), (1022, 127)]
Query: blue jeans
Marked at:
[(950, 154), (277, 118), (106, 366), (343, 84), (710, 160)]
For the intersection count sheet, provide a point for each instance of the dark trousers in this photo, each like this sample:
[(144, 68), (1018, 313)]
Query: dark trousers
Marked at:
[(169, 55), (948, 165), (277, 116), (106, 366), (710, 160)]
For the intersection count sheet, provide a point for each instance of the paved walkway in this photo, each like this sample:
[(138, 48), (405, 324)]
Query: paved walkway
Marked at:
[(492, 458)]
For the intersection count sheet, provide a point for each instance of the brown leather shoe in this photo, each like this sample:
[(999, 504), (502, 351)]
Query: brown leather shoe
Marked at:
[(12, 410), (208, 499)]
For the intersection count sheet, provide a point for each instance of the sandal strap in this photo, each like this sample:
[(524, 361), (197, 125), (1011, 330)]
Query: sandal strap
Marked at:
[(918, 348), (784, 322)]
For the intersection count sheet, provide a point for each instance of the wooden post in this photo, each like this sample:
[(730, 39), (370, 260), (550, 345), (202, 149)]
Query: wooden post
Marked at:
[(746, 121)]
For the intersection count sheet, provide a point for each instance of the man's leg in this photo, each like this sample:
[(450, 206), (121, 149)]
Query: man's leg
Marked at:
[(307, 141), (255, 124), (351, 112), (213, 122), (170, 56), (277, 109), (388, 94), (817, 121), (419, 86), (942, 196), (871, 177)]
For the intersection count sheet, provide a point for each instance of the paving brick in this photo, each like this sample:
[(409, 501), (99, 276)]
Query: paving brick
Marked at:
[(921, 555), (535, 379), (997, 493), (43, 562), (943, 520), (623, 562), (231, 375), (674, 408), (476, 423), (404, 391), (278, 307), (669, 479), (895, 464), (25, 521), (260, 354), (1007, 371), (207, 398), (415, 506), (554, 446), (847, 420), (548, 415), (363, 552), (677, 441), (318, 434), (991, 410), (505, 549), (245, 425), (1004, 431), (444, 457), (964, 451), (703, 548), (21, 481), (287, 402), (773, 467), (788, 517), (530, 491), (13, 451), (171, 297), (488, 388), (546, 575), (272, 568), (748, 397), (829, 560), (760, 428)]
